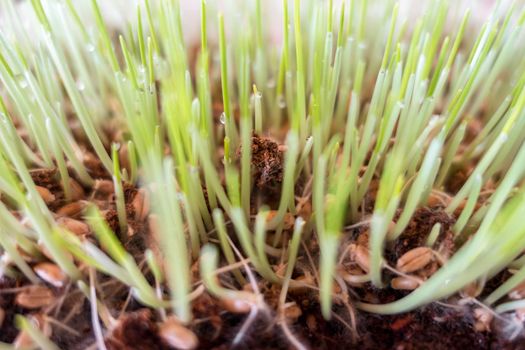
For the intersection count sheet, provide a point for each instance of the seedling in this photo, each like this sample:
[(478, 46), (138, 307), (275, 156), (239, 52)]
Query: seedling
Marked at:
[(363, 161)]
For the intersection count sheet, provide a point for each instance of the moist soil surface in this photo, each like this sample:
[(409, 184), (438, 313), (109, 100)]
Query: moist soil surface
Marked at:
[(449, 324)]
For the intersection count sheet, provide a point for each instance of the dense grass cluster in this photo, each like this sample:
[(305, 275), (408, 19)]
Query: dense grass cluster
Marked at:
[(359, 98)]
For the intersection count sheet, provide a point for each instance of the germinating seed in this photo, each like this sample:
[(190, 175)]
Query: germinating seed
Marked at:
[(288, 220), (77, 192), (104, 187), (43, 249), (236, 306), (353, 277), (435, 200), (177, 336), (51, 273), (35, 297), (124, 157), (376, 160), (292, 313), (361, 256), (483, 319), (73, 209), (414, 259), (46, 194), (404, 283), (311, 323), (77, 227), (471, 290), (141, 204), (25, 255)]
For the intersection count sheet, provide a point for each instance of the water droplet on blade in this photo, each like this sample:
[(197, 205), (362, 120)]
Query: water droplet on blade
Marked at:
[(22, 81), (222, 118), (80, 85), (281, 101)]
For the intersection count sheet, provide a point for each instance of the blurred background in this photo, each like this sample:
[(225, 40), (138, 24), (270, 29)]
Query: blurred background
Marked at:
[(116, 12)]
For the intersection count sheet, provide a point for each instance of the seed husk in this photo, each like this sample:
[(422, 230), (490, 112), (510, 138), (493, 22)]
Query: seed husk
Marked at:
[(361, 256), (51, 273), (73, 209), (292, 313), (472, 290), (414, 259), (77, 192), (236, 306), (288, 220), (483, 319), (242, 303), (311, 323), (34, 297), (404, 283), (75, 226), (104, 187), (43, 249), (354, 276), (46, 194), (28, 256), (141, 204), (435, 200), (123, 156), (177, 336)]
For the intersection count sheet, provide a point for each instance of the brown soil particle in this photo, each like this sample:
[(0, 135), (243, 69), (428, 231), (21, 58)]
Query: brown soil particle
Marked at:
[(44, 177), (111, 218), (83, 337), (129, 191), (418, 229), (263, 334), (457, 180), (267, 162), (135, 331)]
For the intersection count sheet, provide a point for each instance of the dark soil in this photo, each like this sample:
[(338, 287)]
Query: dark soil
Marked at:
[(45, 178), (267, 165), (8, 331), (420, 226), (135, 331)]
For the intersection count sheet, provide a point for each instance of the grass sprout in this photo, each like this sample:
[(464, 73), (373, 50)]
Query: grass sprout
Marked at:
[(349, 123)]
